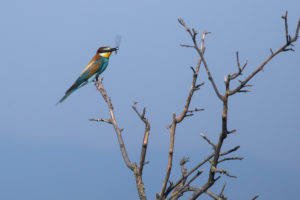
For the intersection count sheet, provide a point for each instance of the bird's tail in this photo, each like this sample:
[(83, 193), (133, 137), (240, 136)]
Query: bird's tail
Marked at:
[(68, 92)]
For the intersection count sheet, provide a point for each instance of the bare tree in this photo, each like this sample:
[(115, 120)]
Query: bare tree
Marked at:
[(174, 190)]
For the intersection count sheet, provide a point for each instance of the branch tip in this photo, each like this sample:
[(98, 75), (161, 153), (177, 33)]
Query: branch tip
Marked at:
[(186, 45), (255, 197), (230, 151), (101, 120), (208, 140), (232, 131), (184, 160), (192, 68), (222, 190)]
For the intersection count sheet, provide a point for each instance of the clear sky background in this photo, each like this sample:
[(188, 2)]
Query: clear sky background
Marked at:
[(53, 152)]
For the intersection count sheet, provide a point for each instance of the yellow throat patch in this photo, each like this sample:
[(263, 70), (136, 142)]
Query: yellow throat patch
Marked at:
[(105, 54)]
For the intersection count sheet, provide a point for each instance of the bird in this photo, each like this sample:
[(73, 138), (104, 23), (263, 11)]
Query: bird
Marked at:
[(92, 71)]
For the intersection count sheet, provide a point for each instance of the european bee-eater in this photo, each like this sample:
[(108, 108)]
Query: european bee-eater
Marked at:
[(92, 71)]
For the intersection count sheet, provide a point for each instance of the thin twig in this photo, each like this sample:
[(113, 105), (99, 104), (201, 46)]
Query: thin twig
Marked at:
[(255, 197), (230, 151), (170, 159), (222, 190), (231, 158), (101, 120), (146, 136), (186, 45), (208, 140), (188, 174), (286, 27), (222, 171), (210, 78), (195, 176), (201, 52), (240, 69)]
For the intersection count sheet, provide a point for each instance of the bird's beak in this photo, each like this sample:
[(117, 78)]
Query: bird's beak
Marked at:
[(114, 49)]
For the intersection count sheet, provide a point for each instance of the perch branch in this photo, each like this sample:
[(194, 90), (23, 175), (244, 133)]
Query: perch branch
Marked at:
[(132, 166), (100, 88)]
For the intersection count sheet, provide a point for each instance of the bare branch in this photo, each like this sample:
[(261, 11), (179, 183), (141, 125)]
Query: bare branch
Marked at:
[(222, 190), (170, 159), (200, 164), (176, 120), (224, 98), (186, 45), (197, 87), (210, 78), (132, 166), (191, 92), (180, 20), (195, 176), (180, 189), (286, 27), (238, 61), (230, 151), (208, 140), (283, 48), (240, 69), (232, 131), (183, 169), (113, 121), (213, 195), (231, 158), (195, 110), (222, 171), (248, 85), (101, 120), (169, 127), (201, 52), (188, 174), (245, 91), (146, 136), (297, 31), (204, 189), (255, 197), (192, 68), (189, 188)]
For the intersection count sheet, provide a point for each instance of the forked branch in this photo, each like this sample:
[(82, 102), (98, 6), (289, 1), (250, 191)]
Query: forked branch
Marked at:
[(286, 47), (183, 184), (176, 120), (146, 136), (137, 170)]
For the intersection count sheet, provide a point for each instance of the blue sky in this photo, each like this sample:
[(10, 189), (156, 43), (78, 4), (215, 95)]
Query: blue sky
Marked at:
[(54, 152)]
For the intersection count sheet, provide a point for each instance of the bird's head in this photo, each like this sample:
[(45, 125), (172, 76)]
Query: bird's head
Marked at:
[(106, 51)]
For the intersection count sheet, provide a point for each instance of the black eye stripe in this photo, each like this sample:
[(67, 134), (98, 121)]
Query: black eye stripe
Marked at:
[(103, 51)]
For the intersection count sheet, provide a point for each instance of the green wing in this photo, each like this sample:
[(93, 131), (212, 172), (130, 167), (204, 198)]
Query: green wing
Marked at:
[(90, 71)]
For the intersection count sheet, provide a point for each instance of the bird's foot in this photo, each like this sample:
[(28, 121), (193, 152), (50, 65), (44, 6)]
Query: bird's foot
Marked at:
[(97, 78)]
